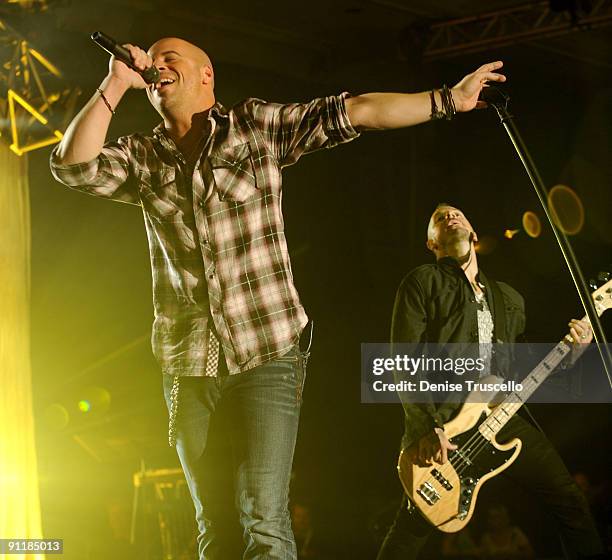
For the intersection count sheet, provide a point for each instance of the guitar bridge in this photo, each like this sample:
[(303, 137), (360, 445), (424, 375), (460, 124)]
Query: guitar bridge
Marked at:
[(428, 493)]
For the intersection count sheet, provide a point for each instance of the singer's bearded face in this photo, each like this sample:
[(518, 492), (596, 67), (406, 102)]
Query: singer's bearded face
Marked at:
[(448, 226), (186, 76)]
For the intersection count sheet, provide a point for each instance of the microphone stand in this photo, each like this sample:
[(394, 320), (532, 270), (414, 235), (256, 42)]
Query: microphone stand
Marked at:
[(499, 99)]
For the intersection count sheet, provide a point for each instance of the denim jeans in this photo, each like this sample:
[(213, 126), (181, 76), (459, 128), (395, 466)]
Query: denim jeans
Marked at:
[(540, 470), (236, 436)]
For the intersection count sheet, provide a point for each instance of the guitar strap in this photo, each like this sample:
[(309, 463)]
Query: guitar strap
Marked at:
[(499, 324)]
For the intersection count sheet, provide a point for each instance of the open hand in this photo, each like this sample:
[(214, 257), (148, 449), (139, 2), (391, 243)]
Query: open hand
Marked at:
[(466, 92)]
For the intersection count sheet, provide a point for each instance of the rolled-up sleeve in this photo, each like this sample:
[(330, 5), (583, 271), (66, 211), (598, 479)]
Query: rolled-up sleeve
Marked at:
[(107, 176), (294, 129)]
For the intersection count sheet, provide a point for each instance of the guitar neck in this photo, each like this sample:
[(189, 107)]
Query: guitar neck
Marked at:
[(513, 402), (499, 416)]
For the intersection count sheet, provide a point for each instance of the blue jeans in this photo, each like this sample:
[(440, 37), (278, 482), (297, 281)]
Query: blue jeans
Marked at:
[(235, 440)]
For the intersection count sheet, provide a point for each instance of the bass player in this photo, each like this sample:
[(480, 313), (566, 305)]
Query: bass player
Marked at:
[(452, 301)]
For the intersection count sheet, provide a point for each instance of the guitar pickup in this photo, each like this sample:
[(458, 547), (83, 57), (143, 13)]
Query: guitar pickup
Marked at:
[(428, 493), (441, 479), (461, 456)]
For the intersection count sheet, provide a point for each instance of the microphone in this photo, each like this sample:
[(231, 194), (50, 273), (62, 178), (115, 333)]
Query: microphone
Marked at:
[(494, 96), (149, 75)]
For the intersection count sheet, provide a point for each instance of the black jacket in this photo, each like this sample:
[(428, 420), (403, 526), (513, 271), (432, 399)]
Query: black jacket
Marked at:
[(435, 303)]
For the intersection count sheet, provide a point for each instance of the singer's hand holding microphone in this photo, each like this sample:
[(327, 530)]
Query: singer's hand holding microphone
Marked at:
[(132, 78), (130, 64)]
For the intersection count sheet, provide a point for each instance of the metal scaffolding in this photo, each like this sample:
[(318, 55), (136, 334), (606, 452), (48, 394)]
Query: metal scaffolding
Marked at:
[(510, 26), (35, 103)]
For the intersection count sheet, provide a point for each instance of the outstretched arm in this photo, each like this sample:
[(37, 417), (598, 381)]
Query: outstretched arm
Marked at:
[(398, 110)]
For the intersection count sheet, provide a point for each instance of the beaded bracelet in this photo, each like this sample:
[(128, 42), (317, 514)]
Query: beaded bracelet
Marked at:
[(448, 104), (105, 101), (435, 113)]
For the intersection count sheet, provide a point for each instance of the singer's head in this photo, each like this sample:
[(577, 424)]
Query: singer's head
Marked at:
[(187, 78), (449, 232)]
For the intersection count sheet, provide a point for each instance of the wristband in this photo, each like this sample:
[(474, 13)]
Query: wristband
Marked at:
[(105, 101)]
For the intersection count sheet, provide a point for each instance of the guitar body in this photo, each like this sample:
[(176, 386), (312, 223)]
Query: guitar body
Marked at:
[(446, 494)]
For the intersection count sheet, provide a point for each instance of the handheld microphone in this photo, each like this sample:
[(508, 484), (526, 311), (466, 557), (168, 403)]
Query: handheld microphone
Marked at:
[(149, 75)]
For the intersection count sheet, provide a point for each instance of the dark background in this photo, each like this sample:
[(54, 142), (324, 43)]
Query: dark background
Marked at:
[(356, 220)]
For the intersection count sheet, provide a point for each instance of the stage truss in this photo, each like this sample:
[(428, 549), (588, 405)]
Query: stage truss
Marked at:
[(510, 26), (35, 102)]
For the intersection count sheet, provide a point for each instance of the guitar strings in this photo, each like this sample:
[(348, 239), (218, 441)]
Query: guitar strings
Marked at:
[(478, 439), (532, 383), (467, 452)]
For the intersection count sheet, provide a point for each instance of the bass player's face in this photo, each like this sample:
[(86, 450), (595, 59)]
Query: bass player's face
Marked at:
[(448, 225)]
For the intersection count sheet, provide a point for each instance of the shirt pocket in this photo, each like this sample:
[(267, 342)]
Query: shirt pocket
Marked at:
[(160, 194), (234, 173)]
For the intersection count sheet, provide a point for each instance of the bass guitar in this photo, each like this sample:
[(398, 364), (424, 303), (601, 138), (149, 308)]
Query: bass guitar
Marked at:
[(446, 494)]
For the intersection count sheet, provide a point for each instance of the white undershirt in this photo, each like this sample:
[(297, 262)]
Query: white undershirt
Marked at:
[(485, 329)]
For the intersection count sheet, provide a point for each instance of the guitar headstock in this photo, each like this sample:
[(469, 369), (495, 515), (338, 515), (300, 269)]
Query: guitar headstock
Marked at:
[(603, 295)]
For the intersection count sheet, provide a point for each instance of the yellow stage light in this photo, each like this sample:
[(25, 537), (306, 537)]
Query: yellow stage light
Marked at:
[(566, 209), (84, 406), (20, 509), (46, 63), (56, 136), (95, 399), (35, 100), (532, 224)]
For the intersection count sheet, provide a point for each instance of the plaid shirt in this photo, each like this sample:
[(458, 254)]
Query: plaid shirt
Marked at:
[(216, 235)]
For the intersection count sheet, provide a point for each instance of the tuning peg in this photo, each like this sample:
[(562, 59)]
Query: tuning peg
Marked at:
[(593, 284), (604, 276)]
